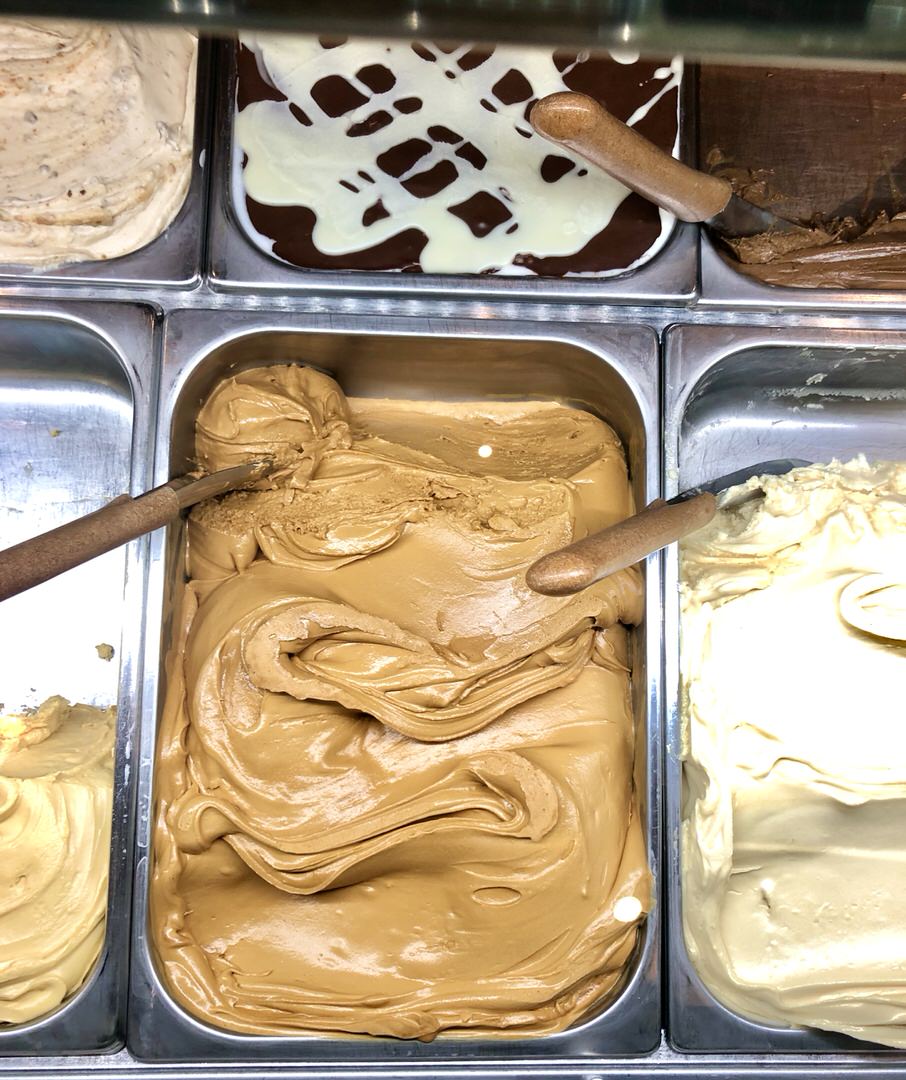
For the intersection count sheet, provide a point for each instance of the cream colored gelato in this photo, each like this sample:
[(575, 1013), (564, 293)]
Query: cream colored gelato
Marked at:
[(56, 798), (394, 786), (96, 129), (794, 674)]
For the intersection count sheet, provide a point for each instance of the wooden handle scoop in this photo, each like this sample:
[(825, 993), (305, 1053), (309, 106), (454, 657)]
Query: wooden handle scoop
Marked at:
[(578, 123), (574, 568), (43, 557)]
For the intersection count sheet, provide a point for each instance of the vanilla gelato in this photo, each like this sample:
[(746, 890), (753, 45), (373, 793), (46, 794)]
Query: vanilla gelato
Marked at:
[(56, 799), (793, 675), (96, 129), (394, 786)]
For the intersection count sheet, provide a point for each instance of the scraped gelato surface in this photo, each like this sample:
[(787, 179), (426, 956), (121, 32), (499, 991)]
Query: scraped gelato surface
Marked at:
[(368, 155), (849, 193), (96, 143), (793, 667), (394, 787), (56, 800), (839, 254)]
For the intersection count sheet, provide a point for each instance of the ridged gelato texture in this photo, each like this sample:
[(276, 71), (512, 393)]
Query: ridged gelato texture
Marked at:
[(96, 129), (395, 787), (793, 668), (56, 800)]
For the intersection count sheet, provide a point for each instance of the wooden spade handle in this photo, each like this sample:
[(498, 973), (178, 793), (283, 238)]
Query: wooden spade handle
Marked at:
[(580, 124), (33, 561), (574, 568)]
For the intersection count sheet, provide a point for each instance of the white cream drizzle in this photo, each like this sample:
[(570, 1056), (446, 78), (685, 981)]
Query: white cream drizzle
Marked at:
[(289, 164)]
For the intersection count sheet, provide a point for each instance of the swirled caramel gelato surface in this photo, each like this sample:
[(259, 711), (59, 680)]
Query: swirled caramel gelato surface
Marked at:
[(56, 799), (394, 786), (793, 671), (96, 143)]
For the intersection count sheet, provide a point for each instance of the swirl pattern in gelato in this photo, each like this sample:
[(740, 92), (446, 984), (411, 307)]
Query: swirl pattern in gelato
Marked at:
[(395, 787), (97, 125), (56, 799), (793, 667)]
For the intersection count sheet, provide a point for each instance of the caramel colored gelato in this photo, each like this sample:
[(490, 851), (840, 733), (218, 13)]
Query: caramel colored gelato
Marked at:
[(56, 799), (793, 669), (394, 787), (96, 128)]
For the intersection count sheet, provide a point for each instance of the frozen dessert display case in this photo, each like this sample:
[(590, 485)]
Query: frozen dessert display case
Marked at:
[(490, 401)]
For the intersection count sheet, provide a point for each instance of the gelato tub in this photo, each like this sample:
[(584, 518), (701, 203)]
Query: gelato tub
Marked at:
[(103, 179), (74, 418), (814, 395), (463, 199), (403, 366), (835, 165)]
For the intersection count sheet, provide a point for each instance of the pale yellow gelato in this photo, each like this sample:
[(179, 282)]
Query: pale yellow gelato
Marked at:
[(793, 679), (56, 797)]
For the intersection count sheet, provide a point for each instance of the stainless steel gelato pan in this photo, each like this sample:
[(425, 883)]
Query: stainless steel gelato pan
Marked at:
[(237, 262), (735, 395), (76, 389), (174, 258), (612, 371)]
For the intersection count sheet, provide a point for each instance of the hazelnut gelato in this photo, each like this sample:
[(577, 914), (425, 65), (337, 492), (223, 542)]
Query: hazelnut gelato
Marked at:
[(56, 799), (96, 144), (394, 786), (793, 670)]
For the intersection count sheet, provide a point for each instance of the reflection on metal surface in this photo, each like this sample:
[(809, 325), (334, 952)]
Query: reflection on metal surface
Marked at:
[(842, 30)]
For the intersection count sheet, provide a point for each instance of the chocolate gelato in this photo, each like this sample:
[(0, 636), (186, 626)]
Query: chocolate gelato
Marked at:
[(394, 786), (837, 164)]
